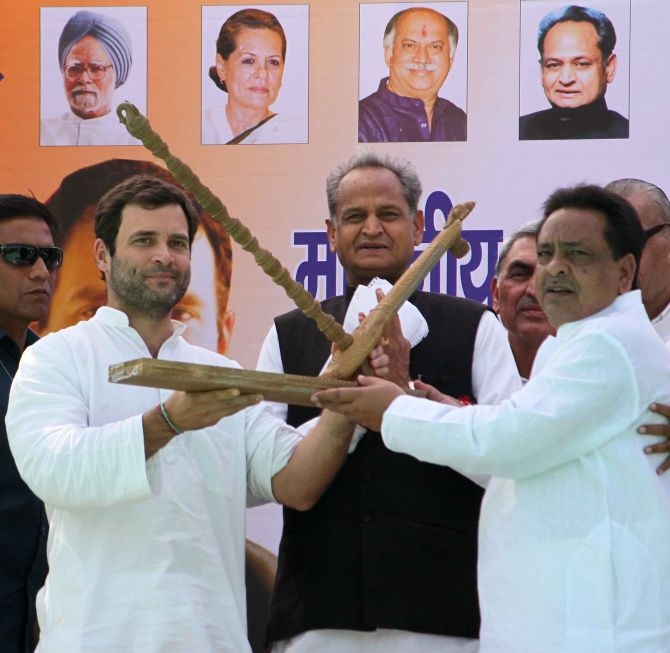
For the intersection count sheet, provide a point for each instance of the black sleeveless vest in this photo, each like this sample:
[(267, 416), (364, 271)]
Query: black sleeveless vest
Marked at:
[(393, 541)]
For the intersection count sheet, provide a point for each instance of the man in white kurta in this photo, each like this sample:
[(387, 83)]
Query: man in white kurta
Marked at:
[(95, 56), (653, 209), (574, 530), (69, 129), (575, 524), (177, 520), (146, 489)]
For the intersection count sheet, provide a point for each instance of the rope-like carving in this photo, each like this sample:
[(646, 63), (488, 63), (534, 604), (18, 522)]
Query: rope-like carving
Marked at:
[(351, 350), (139, 127)]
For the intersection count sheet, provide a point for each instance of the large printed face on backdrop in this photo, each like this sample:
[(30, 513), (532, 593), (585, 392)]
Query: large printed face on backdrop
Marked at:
[(253, 72), (80, 290), (573, 71), (577, 274), (89, 97), (420, 57), (373, 233)]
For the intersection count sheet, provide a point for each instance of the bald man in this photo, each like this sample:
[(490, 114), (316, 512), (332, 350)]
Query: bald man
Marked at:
[(419, 49)]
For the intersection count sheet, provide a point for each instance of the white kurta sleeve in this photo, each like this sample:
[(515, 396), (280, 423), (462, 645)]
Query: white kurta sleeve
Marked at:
[(269, 360), (581, 399), (64, 461), (270, 443)]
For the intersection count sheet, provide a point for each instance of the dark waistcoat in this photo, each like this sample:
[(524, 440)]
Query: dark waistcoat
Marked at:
[(393, 541)]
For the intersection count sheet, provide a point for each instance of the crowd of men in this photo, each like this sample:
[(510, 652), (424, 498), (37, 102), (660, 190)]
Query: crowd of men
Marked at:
[(145, 490)]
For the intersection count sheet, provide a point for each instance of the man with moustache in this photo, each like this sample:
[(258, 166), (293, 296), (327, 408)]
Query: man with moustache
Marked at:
[(419, 49), (80, 291), (577, 62), (575, 524), (386, 559), (29, 263), (653, 209), (95, 57), (146, 489), (515, 297)]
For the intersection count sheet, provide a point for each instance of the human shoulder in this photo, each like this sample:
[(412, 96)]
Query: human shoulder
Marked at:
[(534, 126), (373, 114), (283, 128), (58, 130), (451, 109), (618, 126), (378, 97), (450, 303), (215, 127), (620, 327)]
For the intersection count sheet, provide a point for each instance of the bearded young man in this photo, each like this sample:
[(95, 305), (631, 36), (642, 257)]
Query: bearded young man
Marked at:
[(146, 489)]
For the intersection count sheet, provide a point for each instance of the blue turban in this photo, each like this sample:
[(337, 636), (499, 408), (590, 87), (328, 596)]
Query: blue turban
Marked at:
[(109, 31)]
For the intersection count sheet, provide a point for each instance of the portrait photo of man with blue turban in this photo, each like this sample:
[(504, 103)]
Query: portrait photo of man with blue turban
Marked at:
[(95, 57)]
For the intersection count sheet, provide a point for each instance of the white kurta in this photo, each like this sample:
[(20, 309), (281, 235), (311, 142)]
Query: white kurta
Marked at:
[(575, 530), (144, 555), (283, 128), (661, 324), (494, 378), (69, 129)]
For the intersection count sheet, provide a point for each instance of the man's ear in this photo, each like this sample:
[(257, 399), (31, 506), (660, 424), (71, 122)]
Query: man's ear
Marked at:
[(388, 53), (627, 269), (419, 223), (610, 68), (495, 294), (330, 228), (100, 254)]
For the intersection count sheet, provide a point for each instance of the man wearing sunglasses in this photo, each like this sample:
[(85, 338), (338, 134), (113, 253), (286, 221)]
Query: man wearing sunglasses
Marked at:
[(28, 266)]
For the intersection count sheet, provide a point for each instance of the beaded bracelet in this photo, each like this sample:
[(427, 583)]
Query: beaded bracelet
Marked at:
[(168, 421)]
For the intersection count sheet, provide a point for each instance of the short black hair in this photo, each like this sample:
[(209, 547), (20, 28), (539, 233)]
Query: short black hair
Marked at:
[(147, 192), (623, 231), (13, 205), (575, 13)]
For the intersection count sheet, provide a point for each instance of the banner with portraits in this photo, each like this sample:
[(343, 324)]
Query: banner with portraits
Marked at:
[(262, 101)]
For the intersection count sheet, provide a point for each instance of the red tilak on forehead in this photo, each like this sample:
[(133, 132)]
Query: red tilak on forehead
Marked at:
[(424, 31)]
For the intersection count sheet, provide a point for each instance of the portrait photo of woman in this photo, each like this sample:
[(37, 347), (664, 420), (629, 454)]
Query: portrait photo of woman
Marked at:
[(251, 95)]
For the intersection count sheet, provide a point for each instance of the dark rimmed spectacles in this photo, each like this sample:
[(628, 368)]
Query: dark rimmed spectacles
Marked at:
[(95, 71), (652, 231), (26, 255)]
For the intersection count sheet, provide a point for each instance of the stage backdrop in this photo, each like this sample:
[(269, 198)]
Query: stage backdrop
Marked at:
[(334, 57)]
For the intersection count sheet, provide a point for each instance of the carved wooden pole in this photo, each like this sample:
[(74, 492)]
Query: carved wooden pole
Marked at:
[(140, 128), (352, 350)]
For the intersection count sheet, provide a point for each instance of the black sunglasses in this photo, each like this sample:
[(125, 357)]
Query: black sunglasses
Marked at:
[(652, 231), (26, 255)]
